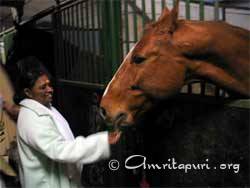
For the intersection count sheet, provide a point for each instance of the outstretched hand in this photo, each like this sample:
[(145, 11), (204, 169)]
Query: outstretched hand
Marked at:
[(113, 137)]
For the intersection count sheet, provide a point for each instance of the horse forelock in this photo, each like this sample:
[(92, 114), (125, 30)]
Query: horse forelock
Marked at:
[(114, 77)]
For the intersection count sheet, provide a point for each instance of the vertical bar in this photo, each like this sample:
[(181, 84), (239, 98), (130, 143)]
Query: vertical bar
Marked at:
[(74, 47), (126, 26), (70, 42), (67, 42), (116, 14), (153, 9), (83, 41), (143, 10), (187, 6), (104, 43), (223, 14), (63, 40), (55, 23), (88, 50), (135, 23), (202, 7), (62, 44), (78, 49), (112, 13), (100, 49), (163, 4), (94, 62), (216, 10)]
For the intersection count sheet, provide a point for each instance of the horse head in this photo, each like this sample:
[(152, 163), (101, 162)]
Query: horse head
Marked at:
[(170, 53)]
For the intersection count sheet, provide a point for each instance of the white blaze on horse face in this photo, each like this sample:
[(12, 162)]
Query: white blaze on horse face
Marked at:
[(107, 88)]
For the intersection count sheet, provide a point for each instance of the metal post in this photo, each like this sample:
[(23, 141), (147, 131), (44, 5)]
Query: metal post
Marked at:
[(216, 10), (202, 9), (112, 40)]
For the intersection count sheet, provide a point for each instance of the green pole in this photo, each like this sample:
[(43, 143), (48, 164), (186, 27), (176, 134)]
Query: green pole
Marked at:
[(187, 3), (112, 36), (202, 8)]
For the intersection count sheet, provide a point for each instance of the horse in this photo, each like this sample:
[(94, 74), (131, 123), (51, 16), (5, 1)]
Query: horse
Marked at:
[(171, 53)]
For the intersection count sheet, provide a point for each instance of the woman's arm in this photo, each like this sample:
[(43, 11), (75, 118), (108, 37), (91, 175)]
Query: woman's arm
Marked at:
[(11, 109), (41, 134)]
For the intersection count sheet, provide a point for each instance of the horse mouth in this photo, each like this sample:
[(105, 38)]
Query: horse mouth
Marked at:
[(121, 121)]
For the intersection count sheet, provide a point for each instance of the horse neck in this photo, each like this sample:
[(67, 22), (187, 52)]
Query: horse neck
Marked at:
[(220, 54)]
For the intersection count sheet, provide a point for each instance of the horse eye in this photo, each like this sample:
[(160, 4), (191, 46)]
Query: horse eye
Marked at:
[(138, 59)]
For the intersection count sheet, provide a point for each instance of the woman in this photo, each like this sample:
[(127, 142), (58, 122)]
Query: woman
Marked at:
[(46, 145)]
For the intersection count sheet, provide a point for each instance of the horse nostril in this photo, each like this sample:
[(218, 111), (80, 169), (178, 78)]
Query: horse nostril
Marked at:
[(120, 117), (103, 113)]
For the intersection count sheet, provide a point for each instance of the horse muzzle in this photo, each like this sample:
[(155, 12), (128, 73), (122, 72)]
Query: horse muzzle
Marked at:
[(119, 118)]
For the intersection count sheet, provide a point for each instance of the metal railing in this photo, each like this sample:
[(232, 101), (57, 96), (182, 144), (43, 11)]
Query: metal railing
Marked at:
[(87, 41), (93, 36)]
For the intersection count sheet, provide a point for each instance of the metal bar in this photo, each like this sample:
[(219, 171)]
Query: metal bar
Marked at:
[(78, 43), (187, 6), (67, 39), (144, 10), (106, 42), (71, 3), (216, 10), (55, 23), (103, 40), (126, 25), (135, 23), (73, 46), (202, 9), (63, 42), (88, 62), (153, 9), (163, 4), (116, 14), (99, 26), (224, 14), (139, 11), (81, 84), (72, 58), (94, 55), (84, 40)]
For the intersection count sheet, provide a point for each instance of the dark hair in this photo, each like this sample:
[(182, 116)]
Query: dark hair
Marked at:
[(29, 70)]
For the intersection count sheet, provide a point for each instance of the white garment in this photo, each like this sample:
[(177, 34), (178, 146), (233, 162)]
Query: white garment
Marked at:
[(62, 124), (46, 147)]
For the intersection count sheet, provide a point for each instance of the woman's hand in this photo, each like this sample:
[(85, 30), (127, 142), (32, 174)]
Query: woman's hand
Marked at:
[(11, 109), (113, 137)]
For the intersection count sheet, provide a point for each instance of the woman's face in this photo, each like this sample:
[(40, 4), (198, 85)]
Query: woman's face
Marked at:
[(42, 91)]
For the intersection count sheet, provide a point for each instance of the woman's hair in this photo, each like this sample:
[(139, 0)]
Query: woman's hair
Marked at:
[(29, 70)]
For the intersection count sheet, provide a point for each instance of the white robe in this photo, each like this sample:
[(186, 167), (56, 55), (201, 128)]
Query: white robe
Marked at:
[(47, 147)]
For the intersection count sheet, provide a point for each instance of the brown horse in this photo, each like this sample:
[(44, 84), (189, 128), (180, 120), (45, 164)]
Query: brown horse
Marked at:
[(170, 53)]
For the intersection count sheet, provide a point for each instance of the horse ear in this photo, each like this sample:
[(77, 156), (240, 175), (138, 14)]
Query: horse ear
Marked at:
[(174, 17), (165, 13), (170, 18)]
